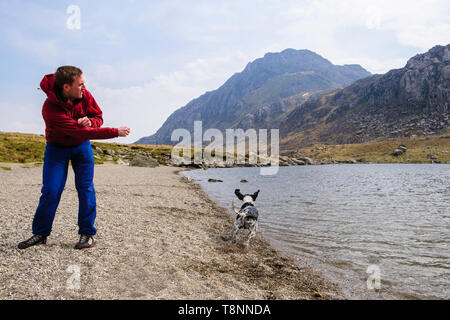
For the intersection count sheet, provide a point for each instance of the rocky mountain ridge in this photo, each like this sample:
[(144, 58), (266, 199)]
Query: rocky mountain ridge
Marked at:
[(410, 101), (261, 95)]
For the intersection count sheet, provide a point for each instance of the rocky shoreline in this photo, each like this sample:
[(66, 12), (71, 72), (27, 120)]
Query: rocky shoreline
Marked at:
[(158, 238), (425, 150), (28, 149)]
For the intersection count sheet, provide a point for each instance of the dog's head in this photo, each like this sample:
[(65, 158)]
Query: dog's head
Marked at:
[(247, 198)]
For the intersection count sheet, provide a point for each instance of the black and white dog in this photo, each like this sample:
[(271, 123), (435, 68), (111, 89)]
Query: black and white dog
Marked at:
[(246, 217)]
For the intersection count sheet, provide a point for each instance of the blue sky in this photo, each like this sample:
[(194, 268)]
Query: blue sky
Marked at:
[(142, 60)]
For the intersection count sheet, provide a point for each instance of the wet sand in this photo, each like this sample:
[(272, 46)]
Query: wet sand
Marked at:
[(158, 238)]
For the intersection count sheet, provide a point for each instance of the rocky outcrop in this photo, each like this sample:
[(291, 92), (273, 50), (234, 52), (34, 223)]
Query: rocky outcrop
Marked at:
[(413, 100)]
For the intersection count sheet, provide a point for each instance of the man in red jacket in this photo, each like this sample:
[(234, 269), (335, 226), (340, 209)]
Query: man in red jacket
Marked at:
[(72, 117)]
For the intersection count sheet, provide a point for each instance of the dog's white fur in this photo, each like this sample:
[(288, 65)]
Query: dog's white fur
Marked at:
[(248, 199)]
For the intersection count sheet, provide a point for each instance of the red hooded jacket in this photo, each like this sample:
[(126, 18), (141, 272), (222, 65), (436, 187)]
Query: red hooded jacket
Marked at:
[(61, 117)]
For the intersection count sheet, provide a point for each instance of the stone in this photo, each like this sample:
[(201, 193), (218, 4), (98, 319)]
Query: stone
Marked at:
[(402, 147), (298, 162), (98, 150), (140, 160), (110, 152), (307, 160), (121, 162)]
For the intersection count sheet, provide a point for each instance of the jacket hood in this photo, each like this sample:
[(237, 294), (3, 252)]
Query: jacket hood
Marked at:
[(48, 86)]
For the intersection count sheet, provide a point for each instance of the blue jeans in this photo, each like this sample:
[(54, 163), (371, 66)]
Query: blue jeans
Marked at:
[(56, 163)]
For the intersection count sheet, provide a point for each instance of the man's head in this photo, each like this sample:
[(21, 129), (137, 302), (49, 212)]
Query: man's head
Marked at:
[(69, 82)]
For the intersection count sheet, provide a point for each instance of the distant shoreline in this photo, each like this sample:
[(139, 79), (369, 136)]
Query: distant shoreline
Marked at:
[(29, 148)]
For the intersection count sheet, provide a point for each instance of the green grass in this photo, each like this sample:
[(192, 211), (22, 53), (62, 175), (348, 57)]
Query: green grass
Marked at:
[(29, 150), (21, 147), (381, 151)]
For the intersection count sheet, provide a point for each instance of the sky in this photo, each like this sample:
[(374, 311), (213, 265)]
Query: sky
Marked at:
[(142, 60)]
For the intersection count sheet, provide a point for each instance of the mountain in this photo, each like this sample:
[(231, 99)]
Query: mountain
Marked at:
[(261, 95), (413, 100)]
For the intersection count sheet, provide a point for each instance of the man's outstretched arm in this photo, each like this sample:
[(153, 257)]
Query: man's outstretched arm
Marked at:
[(65, 128)]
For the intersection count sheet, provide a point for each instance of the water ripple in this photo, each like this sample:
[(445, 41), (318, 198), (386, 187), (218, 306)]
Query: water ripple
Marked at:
[(351, 216)]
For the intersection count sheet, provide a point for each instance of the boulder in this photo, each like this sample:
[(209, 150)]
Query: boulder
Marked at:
[(283, 163), (110, 152), (98, 150), (121, 162), (140, 160), (298, 162), (306, 160), (402, 147)]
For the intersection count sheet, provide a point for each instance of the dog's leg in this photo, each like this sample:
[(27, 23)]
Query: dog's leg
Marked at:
[(253, 228), (236, 226), (233, 231)]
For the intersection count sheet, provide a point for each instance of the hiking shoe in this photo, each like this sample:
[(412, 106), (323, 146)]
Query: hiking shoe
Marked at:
[(34, 240), (86, 242)]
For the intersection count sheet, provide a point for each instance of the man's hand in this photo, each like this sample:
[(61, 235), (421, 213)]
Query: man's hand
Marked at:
[(124, 131), (84, 122)]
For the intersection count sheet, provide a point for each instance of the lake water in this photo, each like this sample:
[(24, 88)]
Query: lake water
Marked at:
[(353, 222)]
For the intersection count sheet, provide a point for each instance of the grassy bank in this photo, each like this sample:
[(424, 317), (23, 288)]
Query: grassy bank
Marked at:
[(419, 150), (29, 150)]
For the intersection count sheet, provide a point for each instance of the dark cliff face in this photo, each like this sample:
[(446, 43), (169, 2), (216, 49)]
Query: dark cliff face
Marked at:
[(262, 94), (411, 100)]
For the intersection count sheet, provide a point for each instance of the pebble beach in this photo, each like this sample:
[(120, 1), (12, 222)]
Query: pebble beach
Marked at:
[(159, 237)]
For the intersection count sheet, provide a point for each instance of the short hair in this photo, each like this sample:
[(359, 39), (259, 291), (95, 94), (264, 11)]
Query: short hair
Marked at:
[(65, 75)]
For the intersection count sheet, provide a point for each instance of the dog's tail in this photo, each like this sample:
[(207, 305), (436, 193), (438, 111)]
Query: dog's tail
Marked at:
[(238, 212)]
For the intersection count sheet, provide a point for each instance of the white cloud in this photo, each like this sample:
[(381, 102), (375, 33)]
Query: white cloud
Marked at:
[(417, 24), (145, 107)]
